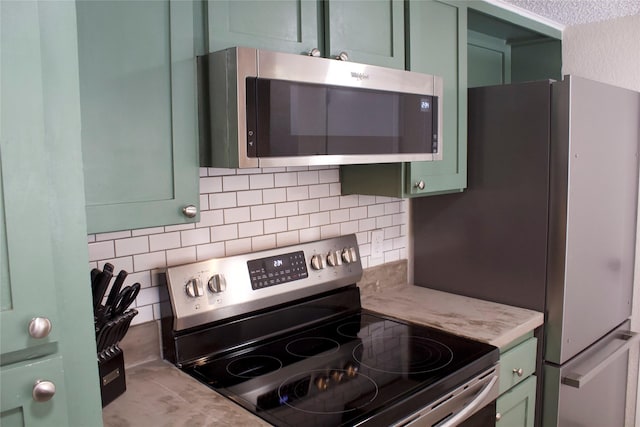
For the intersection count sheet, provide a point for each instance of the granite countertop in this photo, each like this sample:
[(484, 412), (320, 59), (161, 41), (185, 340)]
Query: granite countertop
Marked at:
[(490, 322), (159, 394)]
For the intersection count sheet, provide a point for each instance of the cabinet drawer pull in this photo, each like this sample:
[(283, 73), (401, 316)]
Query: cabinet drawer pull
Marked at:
[(518, 371), (43, 391), (498, 416), (315, 52), (419, 185), (39, 327), (342, 56)]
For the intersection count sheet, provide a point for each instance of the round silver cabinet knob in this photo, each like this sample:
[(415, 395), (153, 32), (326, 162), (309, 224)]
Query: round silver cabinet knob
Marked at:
[(498, 416), (342, 56), (39, 327), (43, 391), (190, 211), (315, 52), (419, 185), (518, 371)]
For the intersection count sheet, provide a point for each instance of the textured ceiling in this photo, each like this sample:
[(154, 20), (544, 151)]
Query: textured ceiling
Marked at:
[(574, 12)]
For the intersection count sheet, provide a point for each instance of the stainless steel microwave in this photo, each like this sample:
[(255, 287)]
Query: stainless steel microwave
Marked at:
[(260, 108)]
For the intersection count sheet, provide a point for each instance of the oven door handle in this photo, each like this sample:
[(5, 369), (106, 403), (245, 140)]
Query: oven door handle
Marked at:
[(471, 407)]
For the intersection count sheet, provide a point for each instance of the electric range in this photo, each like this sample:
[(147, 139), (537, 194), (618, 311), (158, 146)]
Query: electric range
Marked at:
[(282, 333)]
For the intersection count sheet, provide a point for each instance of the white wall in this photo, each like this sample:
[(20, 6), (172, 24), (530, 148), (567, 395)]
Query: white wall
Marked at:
[(610, 52), (244, 210)]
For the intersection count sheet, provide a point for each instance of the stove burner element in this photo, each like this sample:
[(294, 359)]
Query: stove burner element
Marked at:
[(354, 393), (312, 347), (382, 355), (362, 328), (253, 366)]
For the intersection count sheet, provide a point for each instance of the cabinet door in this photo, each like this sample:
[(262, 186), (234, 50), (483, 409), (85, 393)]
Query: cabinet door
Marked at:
[(138, 99), (516, 407), (281, 25), (27, 286), (18, 407), (371, 32), (437, 45)]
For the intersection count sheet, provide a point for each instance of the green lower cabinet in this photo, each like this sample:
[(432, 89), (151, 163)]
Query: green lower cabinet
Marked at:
[(139, 121), (516, 407), (20, 386), (436, 44)]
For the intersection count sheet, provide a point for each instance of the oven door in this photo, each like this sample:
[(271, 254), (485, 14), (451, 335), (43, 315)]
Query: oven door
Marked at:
[(471, 404)]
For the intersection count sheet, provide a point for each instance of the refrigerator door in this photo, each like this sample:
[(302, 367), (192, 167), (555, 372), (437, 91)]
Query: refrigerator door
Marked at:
[(592, 220), (590, 390)]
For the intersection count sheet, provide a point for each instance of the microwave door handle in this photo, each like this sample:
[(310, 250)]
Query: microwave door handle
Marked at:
[(579, 380), (471, 407)]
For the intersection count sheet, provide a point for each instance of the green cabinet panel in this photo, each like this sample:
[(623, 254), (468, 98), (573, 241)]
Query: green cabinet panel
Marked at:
[(26, 227), (536, 60), (517, 364), (516, 407), (44, 223), (489, 61), (17, 407), (370, 32), (281, 25), (139, 122), (436, 44)]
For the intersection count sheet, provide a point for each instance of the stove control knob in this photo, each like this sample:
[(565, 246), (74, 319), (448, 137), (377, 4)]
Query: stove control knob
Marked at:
[(322, 383), (194, 288), (337, 376), (351, 369), (318, 262), (334, 259), (217, 283), (349, 255)]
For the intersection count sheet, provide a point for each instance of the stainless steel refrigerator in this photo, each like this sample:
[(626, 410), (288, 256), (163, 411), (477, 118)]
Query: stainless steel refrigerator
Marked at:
[(548, 222)]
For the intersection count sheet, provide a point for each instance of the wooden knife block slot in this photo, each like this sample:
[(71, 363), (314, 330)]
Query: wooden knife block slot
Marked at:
[(112, 378)]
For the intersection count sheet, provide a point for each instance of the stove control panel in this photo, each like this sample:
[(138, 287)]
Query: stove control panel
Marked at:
[(220, 288)]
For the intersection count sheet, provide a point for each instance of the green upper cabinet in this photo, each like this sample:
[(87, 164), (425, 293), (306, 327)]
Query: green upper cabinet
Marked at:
[(47, 335), (139, 120), (436, 44), (281, 25), (368, 32)]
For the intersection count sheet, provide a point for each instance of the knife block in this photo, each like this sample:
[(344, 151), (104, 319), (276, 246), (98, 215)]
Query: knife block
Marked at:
[(112, 380)]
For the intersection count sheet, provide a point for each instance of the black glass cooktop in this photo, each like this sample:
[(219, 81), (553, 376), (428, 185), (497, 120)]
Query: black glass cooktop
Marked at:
[(344, 372)]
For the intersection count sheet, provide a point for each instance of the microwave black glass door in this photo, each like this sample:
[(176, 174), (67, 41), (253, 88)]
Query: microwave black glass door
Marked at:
[(296, 119)]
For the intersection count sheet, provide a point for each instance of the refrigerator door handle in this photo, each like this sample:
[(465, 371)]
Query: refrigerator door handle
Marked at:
[(579, 380)]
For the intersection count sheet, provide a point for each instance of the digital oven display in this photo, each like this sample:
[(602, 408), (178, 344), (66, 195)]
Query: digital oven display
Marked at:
[(276, 270)]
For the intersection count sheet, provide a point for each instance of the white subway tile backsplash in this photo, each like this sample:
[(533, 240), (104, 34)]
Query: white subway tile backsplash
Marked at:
[(287, 179), (181, 256), (309, 234), (210, 218), (149, 261), (261, 181), (244, 210), (308, 178), (297, 222), (318, 191), (222, 200), (259, 243), (101, 250), (210, 185), (248, 198), (287, 238), (235, 215), (320, 218), (224, 232), (286, 209), (297, 193), (235, 182), (210, 250), (198, 236), (275, 225), (101, 237), (159, 242), (274, 195), (235, 247), (147, 231), (250, 229)]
